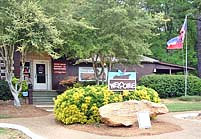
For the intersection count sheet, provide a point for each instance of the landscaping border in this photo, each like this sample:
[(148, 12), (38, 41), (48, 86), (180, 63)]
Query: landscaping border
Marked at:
[(22, 129), (185, 115)]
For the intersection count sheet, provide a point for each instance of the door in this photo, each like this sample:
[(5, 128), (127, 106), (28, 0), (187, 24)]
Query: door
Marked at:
[(40, 75)]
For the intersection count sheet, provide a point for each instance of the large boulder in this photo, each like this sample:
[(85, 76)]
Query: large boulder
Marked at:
[(125, 113)]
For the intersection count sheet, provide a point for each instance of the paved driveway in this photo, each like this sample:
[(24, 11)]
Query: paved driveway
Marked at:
[(47, 127)]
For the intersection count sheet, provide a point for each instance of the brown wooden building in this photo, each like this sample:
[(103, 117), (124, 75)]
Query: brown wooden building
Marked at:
[(152, 66), (45, 73)]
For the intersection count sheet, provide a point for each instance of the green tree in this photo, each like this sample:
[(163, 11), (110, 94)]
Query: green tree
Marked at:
[(173, 17), (105, 30), (24, 28)]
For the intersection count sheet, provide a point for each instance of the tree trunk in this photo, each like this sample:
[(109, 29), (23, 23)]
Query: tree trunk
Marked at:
[(14, 93), (95, 63), (102, 64), (198, 45), (16, 99), (7, 54), (97, 82), (110, 64)]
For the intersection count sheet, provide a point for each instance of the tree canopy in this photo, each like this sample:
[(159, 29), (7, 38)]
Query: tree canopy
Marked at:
[(107, 26), (174, 13), (25, 25), (118, 29), (25, 28), (102, 30)]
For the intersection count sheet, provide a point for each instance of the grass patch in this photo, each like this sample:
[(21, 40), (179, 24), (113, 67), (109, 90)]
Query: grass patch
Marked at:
[(3, 116), (3, 131), (179, 107), (190, 98)]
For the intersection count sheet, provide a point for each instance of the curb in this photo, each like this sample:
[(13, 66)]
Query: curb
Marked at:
[(185, 115)]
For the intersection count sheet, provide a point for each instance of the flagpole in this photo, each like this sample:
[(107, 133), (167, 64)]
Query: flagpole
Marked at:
[(186, 68)]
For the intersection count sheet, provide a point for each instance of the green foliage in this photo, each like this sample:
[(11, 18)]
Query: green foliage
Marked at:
[(105, 28), (85, 83), (24, 84), (4, 116), (141, 93), (5, 93), (26, 26), (173, 14), (190, 98), (3, 131), (172, 85), (80, 105), (77, 85)]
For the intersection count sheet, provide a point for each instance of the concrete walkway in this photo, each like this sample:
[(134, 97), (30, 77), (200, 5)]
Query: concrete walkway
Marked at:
[(47, 127)]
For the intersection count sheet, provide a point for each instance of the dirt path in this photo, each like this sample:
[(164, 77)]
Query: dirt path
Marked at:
[(21, 112), (46, 127)]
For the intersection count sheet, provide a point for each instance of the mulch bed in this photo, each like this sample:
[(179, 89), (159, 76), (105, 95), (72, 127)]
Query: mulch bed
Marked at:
[(158, 127), (8, 110)]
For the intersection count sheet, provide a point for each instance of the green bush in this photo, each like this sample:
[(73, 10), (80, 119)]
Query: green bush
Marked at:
[(5, 93), (24, 84), (172, 85), (86, 83), (80, 105)]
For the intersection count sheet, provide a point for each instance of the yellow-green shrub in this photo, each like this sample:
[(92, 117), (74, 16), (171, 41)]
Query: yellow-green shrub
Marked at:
[(140, 93), (80, 105)]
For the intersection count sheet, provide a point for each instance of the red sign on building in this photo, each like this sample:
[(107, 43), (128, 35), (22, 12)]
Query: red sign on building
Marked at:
[(59, 68)]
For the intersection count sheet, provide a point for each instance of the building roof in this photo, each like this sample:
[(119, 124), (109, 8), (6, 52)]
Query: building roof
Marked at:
[(174, 65), (151, 60), (148, 59), (144, 59)]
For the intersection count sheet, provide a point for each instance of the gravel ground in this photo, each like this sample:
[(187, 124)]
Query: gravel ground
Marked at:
[(12, 134)]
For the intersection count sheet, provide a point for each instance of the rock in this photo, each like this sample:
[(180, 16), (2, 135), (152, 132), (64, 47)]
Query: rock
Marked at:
[(125, 113)]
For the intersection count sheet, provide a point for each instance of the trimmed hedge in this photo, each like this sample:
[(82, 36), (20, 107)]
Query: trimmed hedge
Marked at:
[(5, 93), (172, 85), (80, 105)]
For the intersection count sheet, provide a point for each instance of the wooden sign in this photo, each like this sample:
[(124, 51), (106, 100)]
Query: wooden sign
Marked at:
[(59, 68)]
